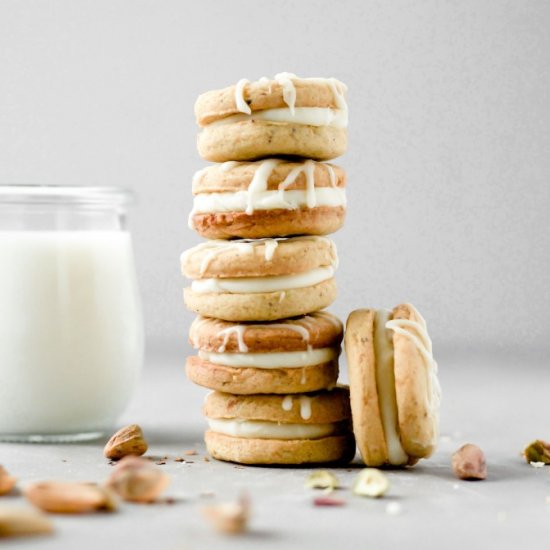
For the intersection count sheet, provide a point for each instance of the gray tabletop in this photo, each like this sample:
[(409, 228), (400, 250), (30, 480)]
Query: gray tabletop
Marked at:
[(498, 401)]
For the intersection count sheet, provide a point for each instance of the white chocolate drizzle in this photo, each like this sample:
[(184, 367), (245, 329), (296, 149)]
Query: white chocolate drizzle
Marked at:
[(417, 332), (228, 165), (242, 105), (308, 168), (289, 90), (305, 407), (246, 246), (238, 331), (331, 175), (287, 403), (287, 82), (259, 181)]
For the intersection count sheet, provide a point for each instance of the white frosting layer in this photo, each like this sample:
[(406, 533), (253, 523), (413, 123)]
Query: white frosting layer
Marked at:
[(270, 430), (310, 116), (246, 285), (269, 200), (385, 382), (287, 360)]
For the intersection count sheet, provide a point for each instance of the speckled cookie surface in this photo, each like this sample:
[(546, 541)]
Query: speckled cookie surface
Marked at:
[(321, 220), (367, 423), (334, 449), (257, 139), (241, 259), (417, 391), (323, 407), (262, 306), (318, 330), (249, 380)]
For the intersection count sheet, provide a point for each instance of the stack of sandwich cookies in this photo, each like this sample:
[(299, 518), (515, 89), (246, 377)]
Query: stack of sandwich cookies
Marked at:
[(261, 337), (395, 392), (276, 429), (289, 356)]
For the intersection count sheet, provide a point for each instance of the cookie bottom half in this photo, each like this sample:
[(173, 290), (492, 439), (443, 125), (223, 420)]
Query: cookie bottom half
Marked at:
[(333, 449), (256, 139), (260, 224)]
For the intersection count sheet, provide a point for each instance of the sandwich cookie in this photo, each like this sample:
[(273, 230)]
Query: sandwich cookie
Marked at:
[(395, 392), (287, 115), (277, 429), (268, 198), (260, 280), (290, 356)]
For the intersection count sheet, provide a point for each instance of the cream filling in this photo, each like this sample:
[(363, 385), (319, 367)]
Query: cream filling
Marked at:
[(309, 116), (240, 201), (385, 382), (258, 429), (286, 359), (254, 285)]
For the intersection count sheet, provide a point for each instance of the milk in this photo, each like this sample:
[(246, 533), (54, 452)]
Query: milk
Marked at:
[(71, 337)]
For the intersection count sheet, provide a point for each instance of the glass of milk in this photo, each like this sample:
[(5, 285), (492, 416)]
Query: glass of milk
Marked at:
[(71, 329)]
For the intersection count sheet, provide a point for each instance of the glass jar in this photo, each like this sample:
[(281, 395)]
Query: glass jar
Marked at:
[(71, 329)]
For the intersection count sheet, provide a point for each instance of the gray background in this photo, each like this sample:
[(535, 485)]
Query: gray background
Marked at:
[(449, 139)]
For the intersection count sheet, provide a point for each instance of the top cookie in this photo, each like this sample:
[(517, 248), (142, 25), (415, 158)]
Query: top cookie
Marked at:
[(289, 116)]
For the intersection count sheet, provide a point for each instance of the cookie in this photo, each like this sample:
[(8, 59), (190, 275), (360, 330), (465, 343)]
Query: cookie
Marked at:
[(292, 356), (394, 387), (286, 116), (268, 198), (260, 280), (277, 429)]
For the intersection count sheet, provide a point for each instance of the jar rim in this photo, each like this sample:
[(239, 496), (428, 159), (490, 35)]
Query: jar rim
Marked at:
[(30, 193)]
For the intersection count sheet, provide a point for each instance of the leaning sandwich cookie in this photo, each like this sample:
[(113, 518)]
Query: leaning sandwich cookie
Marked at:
[(277, 429), (260, 280), (283, 116), (290, 356), (267, 198), (394, 389)]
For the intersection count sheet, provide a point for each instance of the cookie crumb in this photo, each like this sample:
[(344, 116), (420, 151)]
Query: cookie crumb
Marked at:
[(179, 459), (537, 464), (160, 462), (192, 452)]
